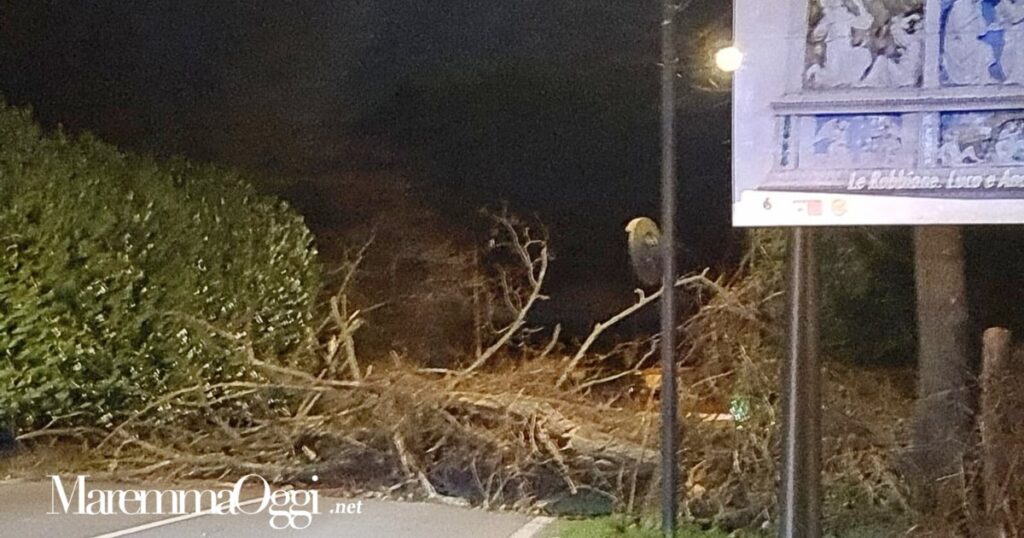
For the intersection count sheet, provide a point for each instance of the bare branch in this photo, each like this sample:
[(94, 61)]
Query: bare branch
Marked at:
[(535, 262), (600, 327)]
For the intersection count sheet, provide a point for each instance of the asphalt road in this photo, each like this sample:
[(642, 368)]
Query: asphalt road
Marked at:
[(24, 508)]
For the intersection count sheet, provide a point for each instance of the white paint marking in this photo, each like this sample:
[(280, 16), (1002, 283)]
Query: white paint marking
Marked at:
[(532, 527), (165, 522)]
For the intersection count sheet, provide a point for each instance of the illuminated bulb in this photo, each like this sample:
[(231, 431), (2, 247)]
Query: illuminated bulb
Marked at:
[(729, 59)]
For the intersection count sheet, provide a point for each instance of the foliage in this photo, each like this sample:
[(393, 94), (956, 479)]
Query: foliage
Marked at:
[(115, 268), (620, 527), (868, 301), (736, 347), (866, 289)]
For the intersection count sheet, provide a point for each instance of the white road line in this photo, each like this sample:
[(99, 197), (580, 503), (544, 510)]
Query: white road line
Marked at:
[(532, 528), (165, 522)]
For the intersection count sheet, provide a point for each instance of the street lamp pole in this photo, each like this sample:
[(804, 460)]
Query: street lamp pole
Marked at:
[(669, 396)]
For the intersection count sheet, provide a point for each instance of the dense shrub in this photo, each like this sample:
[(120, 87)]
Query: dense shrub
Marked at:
[(122, 278), (868, 294), (866, 290)]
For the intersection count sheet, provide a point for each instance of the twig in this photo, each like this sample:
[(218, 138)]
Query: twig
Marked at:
[(304, 376), (60, 432), (600, 327), (233, 384), (551, 343), (632, 371)]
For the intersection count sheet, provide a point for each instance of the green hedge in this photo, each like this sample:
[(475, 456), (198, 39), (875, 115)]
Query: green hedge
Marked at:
[(115, 269)]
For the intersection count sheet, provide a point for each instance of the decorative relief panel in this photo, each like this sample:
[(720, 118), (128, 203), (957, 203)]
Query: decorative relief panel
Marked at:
[(982, 42), (880, 47), (982, 138), (864, 44), (842, 141)]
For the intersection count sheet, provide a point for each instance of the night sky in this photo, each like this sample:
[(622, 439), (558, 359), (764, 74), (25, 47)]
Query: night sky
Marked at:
[(550, 105)]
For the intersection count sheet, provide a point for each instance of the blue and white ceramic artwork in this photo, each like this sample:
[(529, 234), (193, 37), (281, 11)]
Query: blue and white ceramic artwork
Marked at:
[(982, 42), (864, 44), (845, 141), (988, 138)]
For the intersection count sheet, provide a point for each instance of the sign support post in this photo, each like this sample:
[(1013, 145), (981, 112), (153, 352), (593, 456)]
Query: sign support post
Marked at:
[(800, 484)]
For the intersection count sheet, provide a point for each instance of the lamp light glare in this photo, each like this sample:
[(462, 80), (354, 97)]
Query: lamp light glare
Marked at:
[(729, 59)]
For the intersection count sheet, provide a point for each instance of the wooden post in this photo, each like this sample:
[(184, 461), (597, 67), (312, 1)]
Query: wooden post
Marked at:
[(1002, 433)]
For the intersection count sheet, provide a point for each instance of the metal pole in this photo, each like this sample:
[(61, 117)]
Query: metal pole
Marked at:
[(669, 428), (800, 489)]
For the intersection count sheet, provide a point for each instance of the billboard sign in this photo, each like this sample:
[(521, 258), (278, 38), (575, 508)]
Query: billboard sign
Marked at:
[(879, 112)]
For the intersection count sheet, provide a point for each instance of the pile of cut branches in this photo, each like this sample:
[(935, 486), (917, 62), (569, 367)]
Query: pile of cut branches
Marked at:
[(525, 422)]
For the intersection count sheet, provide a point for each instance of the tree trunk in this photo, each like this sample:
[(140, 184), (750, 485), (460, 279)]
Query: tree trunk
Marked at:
[(943, 413)]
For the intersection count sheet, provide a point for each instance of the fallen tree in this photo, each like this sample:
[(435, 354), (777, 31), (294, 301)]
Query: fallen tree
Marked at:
[(528, 425)]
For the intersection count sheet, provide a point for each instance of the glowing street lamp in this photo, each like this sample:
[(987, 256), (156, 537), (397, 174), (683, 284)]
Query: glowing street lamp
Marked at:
[(729, 59)]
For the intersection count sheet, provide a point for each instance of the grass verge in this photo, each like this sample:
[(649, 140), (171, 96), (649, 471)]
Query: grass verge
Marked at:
[(621, 527)]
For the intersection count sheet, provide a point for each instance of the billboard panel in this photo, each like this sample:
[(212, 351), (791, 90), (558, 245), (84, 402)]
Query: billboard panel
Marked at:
[(879, 112)]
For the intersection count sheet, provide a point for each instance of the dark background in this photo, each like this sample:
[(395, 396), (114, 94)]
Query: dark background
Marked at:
[(550, 105)]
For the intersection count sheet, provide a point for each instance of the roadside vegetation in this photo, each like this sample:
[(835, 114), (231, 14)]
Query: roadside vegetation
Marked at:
[(617, 527), (162, 319)]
